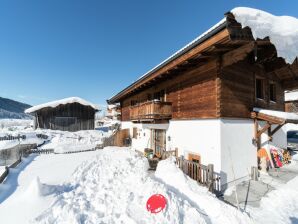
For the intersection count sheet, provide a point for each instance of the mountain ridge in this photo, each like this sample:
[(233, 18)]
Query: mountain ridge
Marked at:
[(13, 109)]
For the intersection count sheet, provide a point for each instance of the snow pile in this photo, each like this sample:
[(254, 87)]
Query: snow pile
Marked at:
[(275, 113), (64, 141), (291, 96), (114, 188), (61, 102), (279, 206), (282, 30), (7, 125)]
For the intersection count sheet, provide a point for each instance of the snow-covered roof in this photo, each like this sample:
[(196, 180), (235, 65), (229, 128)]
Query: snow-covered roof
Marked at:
[(291, 96), (282, 30), (61, 102), (278, 114), (181, 51)]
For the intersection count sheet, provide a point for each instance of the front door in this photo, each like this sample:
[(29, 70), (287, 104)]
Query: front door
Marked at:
[(159, 141)]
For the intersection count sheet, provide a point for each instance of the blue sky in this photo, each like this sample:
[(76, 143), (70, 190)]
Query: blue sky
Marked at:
[(51, 49)]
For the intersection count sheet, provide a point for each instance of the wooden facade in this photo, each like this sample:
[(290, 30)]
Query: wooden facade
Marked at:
[(66, 117), (224, 75)]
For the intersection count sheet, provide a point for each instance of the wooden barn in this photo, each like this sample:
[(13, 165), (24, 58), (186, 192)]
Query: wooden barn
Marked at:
[(208, 99), (70, 114)]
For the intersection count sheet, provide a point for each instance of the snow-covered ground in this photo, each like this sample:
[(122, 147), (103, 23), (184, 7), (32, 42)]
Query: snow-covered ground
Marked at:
[(63, 141), (34, 184), (11, 125), (112, 186), (60, 141)]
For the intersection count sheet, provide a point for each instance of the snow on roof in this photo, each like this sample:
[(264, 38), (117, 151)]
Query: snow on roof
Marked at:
[(60, 102), (291, 96), (279, 114), (282, 30)]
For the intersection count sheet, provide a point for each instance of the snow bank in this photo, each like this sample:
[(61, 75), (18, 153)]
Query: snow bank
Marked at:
[(291, 96), (61, 102), (64, 141), (279, 206), (14, 124), (8, 144), (279, 114), (282, 30), (114, 188)]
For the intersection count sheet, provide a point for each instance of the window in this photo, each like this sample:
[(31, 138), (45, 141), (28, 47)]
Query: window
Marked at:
[(156, 96), (133, 102), (149, 96), (260, 88), (272, 92), (159, 95)]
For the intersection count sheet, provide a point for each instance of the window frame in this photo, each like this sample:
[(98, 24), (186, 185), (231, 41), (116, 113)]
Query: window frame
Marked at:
[(273, 100), (262, 90)]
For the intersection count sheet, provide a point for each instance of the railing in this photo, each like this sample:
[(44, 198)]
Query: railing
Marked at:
[(204, 175), (151, 110), (11, 137)]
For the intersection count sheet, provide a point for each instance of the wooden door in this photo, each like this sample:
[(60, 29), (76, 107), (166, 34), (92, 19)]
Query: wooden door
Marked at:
[(159, 141)]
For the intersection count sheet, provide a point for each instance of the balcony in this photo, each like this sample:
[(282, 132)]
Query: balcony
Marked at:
[(151, 111)]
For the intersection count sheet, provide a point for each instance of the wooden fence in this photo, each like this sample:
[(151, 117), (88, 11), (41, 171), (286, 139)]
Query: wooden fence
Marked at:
[(204, 175), (119, 138), (6, 172), (11, 137)]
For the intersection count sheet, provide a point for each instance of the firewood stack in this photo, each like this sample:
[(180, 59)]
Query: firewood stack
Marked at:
[(286, 156)]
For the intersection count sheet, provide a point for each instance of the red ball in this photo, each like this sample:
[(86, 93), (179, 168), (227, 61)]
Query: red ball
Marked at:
[(156, 203)]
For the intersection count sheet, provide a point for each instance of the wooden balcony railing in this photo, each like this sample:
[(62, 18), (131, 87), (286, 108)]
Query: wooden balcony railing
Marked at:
[(151, 110)]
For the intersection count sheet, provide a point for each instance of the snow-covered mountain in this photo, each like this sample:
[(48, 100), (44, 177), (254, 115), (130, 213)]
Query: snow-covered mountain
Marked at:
[(13, 109)]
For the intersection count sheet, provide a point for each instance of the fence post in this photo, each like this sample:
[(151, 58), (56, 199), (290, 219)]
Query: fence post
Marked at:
[(181, 162), (210, 179)]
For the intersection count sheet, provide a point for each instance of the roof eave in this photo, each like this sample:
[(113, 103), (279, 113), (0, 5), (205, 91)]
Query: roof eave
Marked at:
[(118, 96)]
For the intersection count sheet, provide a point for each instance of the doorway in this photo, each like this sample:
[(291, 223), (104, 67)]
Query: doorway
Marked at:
[(158, 141)]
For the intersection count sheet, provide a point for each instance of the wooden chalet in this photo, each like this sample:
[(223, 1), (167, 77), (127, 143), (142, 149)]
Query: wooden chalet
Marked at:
[(70, 114), (201, 99)]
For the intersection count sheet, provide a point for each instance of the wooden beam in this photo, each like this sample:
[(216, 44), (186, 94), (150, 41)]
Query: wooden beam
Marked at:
[(238, 54), (275, 130), (215, 39), (265, 128), (265, 117)]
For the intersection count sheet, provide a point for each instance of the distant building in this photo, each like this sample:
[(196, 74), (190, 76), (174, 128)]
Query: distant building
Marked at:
[(114, 111), (70, 114)]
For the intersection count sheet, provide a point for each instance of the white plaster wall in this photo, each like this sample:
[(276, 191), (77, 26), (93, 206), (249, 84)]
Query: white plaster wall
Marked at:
[(238, 152), (196, 136), (127, 124), (143, 139)]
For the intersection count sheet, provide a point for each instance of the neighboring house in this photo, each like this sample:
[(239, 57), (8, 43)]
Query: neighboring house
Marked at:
[(113, 112), (70, 114), (205, 99)]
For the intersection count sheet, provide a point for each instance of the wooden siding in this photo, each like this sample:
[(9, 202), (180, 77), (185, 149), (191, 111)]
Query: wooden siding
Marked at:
[(192, 93), (83, 116), (237, 91)]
